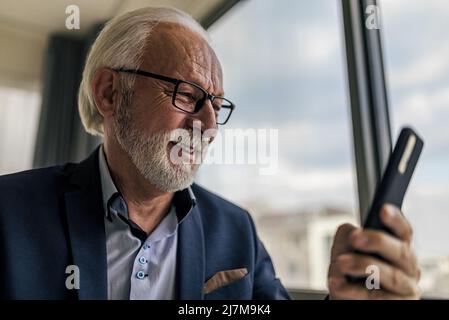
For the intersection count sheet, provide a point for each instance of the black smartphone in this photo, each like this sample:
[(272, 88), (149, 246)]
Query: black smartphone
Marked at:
[(396, 178)]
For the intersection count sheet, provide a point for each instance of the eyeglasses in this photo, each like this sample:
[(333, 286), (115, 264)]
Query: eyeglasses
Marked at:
[(190, 97)]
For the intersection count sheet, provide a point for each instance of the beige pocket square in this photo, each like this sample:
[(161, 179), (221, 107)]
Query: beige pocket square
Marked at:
[(223, 278)]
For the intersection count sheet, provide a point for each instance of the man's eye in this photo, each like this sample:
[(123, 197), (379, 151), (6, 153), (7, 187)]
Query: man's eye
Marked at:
[(186, 96)]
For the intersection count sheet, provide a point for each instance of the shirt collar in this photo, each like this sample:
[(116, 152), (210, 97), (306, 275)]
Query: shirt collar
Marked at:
[(107, 184), (184, 200)]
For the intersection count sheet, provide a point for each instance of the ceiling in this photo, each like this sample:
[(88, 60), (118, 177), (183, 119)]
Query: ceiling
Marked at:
[(25, 26)]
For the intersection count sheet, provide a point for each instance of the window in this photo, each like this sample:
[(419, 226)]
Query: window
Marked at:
[(19, 120), (417, 65), (284, 70)]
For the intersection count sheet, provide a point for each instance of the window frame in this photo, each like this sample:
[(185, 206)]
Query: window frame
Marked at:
[(368, 99)]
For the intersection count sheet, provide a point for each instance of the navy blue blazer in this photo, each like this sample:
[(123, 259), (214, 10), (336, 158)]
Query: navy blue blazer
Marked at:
[(53, 217)]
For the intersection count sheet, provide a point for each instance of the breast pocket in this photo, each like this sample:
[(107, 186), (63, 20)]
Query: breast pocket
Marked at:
[(241, 289)]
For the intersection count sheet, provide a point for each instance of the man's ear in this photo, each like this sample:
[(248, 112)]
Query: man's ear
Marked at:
[(105, 89)]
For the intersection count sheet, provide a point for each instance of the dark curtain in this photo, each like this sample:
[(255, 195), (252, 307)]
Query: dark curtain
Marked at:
[(61, 137)]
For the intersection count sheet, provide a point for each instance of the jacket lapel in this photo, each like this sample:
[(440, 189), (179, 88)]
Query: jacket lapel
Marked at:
[(191, 263), (85, 217)]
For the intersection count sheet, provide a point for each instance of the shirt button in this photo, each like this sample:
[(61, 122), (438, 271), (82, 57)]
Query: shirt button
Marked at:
[(142, 260), (145, 247), (140, 275)]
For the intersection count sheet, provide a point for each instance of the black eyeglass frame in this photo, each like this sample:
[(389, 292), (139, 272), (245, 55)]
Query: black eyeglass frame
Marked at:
[(177, 82)]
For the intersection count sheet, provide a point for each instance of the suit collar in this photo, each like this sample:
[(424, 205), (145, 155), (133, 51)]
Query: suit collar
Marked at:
[(191, 257), (84, 209), (108, 187)]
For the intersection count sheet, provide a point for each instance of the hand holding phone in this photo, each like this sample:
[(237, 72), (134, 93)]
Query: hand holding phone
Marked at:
[(394, 183)]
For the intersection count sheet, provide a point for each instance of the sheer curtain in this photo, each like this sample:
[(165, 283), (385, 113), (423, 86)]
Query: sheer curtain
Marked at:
[(19, 110)]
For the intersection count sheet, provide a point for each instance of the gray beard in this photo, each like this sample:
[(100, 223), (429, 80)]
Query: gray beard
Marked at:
[(151, 155)]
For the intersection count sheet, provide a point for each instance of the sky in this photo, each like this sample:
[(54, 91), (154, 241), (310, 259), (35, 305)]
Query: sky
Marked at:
[(284, 68), (293, 81)]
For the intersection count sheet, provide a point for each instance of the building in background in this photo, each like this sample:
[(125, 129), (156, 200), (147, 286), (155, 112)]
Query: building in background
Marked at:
[(300, 243)]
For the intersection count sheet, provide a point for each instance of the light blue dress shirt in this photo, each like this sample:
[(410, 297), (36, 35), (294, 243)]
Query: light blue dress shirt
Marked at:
[(138, 268)]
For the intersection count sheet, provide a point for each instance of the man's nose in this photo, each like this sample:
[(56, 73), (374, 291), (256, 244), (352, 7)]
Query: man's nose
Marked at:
[(206, 115)]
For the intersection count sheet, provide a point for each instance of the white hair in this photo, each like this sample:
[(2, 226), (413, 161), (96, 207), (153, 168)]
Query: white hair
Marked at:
[(121, 43)]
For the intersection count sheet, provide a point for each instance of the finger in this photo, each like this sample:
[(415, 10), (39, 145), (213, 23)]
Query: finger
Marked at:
[(398, 252), (341, 240), (334, 271), (346, 291), (340, 288), (393, 218), (390, 278)]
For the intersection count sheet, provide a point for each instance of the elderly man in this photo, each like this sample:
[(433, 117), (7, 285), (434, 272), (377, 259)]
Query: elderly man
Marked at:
[(128, 222)]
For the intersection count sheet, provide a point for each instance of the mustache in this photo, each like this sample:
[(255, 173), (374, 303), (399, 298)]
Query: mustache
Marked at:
[(186, 139)]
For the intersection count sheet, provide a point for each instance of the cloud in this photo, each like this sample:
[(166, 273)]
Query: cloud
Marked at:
[(432, 66), (428, 112), (285, 70), (288, 189)]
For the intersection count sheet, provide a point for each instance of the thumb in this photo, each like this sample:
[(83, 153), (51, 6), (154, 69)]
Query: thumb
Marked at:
[(341, 240)]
